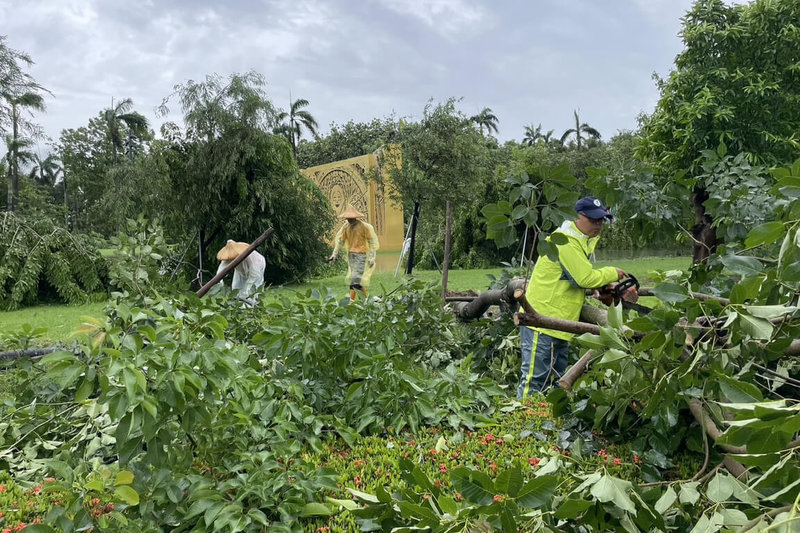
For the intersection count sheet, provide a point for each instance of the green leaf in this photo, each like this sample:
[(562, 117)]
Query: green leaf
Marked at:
[(666, 500), (124, 477), (537, 492), (572, 509), (464, 482), (509, 482), (737, 391), (720, 488), (755, 328), (519, 212), (689, 493), (612, 489), (350, 505), (615, 316), (770, 311), (743, 265), (671, 292), (612, 355), (315, 509), (447, 505), (127, 494), (363, 496), (764, 234)]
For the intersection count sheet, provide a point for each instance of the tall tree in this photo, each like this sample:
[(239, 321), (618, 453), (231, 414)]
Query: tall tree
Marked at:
[(292, 123), (18, 151), (735, 82), (235, 179), (579, 130), (349, 140), (19, 103), (443, 157), (485, 119), (121, 122), (46, 172)]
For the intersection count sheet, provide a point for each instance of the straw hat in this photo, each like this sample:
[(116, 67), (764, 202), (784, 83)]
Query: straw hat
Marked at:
[(231, 250), (351, 212)]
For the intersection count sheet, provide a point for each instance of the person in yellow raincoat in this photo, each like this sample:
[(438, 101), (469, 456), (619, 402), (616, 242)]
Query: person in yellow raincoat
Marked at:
[(361, 242)]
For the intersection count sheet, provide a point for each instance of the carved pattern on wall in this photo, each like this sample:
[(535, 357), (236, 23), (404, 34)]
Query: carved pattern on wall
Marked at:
[(342, 188)]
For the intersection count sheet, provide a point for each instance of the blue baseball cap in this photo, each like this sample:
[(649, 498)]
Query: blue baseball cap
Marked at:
[(593, 208)]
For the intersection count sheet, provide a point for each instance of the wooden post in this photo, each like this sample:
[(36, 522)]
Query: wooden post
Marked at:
[(446, 261), (241, 257), (412, 246)]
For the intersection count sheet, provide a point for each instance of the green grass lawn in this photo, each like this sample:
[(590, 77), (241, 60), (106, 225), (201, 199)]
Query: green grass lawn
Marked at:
[(61, 320)]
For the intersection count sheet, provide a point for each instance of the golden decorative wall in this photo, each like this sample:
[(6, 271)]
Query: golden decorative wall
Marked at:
[(347, 182)]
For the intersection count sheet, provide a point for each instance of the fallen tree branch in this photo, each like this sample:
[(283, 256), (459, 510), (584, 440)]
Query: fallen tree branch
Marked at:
[(572, 374), (30, 352)]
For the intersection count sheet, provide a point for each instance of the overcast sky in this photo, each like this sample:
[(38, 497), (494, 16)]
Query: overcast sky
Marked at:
[(531, 61)]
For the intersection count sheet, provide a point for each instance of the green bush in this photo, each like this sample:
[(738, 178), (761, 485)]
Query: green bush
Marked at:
[(41, 261)]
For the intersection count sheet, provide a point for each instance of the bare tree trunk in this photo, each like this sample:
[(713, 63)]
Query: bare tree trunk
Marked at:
[(446, 260), (703, 233)]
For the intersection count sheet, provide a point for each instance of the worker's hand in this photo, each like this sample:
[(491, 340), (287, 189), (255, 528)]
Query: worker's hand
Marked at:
[(370, 263), (621, 273), (631, 295), (331, 259)]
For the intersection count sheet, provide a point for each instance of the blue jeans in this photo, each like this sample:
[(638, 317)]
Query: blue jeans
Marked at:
[(547, 365)]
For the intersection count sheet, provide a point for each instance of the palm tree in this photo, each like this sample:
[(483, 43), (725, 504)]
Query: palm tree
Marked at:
[(292, 123), (534, 134), (485, 119), (117, 115), (46, 172), (26, 101), (578, 129), (17, 151)]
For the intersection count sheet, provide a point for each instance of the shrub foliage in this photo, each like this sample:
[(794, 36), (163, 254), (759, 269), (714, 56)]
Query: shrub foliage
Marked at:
[(40, 260)]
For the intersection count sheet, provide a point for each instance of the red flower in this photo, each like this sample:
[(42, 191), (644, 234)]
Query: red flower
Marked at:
[(617, 461), (534, 461), (49, 479), (2, 488), (636, 459), (437, 484), (458, 496), (497, 497)]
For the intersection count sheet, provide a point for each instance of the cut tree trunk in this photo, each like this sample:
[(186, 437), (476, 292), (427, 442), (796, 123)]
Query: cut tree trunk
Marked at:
[(476, 307), (703, 232)]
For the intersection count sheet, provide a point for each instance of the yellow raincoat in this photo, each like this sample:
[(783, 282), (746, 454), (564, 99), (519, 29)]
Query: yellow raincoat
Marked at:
[(558, 288), (361, 243)]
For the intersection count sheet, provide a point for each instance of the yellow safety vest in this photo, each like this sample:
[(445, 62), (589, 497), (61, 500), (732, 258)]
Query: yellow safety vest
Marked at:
[(558, 288)]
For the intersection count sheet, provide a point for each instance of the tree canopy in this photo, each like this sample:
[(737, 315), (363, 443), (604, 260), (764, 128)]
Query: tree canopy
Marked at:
[(736, 83)]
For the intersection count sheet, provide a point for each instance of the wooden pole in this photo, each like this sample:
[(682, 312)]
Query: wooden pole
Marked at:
[(446, 261), (412, 246), (241, 257)]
